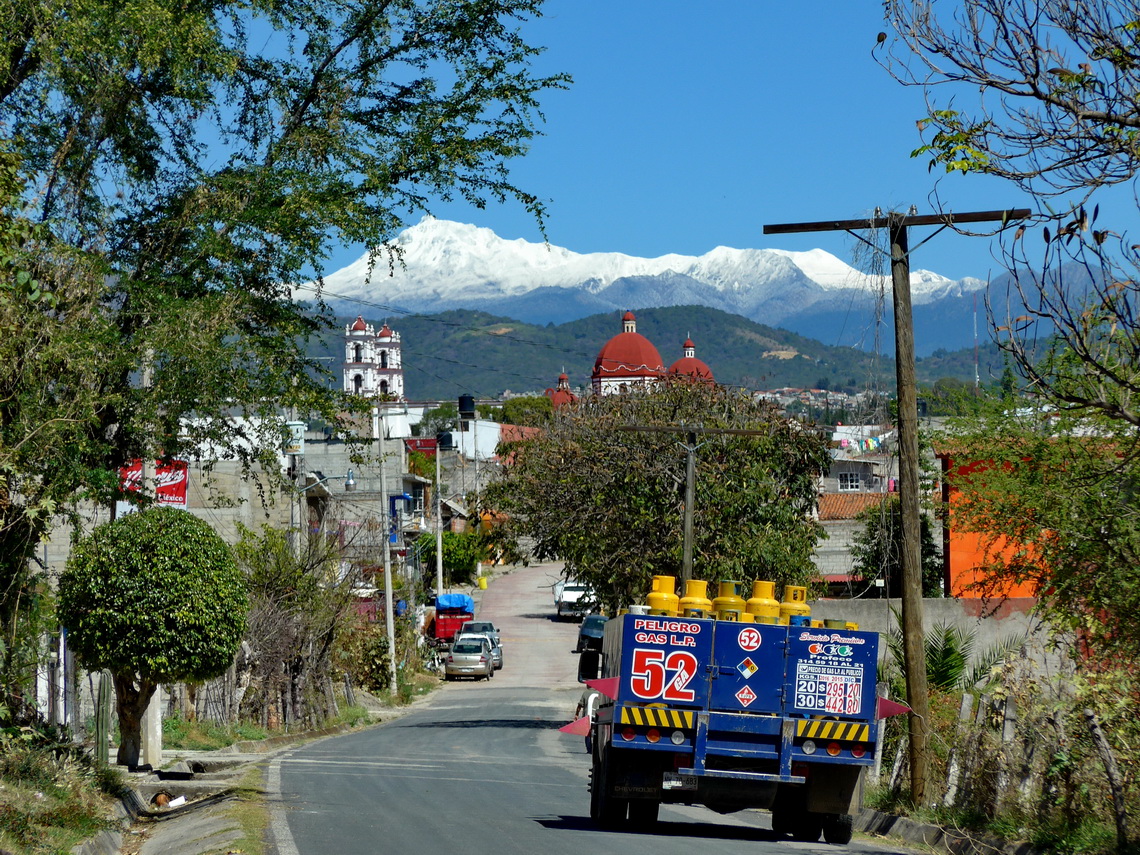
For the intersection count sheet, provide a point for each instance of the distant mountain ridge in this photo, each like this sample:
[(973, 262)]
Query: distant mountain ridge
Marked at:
[(446, 265)]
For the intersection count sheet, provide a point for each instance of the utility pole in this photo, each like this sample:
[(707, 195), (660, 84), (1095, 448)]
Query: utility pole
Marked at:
[(438, 521), (389, 612), (690, 500), (914, 645), (151, 724)]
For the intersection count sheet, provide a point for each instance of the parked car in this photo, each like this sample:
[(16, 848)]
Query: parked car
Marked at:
[(484, 627), (496, 648), (469, 657), (590, 633)]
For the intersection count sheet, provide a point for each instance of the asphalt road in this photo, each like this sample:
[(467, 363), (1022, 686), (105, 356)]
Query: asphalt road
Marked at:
[(481, 768)]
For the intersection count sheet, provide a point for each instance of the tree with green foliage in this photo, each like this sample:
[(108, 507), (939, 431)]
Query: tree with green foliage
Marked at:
[(155, 597), (604, 493), (877, 550), (445, 417), (1057, 118), (461, 552), (47, 406), (1056, 506), (171, 174), (300, 601), (1046, 100), (528, 411)]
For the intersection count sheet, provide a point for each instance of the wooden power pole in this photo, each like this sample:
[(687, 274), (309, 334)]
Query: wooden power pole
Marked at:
[(914, 654)]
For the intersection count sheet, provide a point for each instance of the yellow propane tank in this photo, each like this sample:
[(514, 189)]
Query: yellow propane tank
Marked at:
[(795, 606), (763, 605), (696, 603), (728, 605), (663, 599)]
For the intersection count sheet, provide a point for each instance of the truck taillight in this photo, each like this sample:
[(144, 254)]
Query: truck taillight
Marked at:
[(858, 750), (653, 735), (628, 733), (677, 738), (833, 749)]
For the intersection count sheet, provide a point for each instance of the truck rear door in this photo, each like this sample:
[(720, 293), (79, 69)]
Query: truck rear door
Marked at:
[(748, 665)]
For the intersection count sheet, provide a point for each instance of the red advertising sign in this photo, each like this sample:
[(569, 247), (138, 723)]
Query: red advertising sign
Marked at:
[(170, 481)]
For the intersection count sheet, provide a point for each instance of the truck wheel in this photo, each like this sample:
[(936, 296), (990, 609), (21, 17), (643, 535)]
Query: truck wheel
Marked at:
[(605, 810), (807, 828), (837, 828), (781, 823), (643, 812)]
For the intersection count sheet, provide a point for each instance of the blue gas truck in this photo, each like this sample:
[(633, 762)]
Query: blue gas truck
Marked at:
[(732, 716)]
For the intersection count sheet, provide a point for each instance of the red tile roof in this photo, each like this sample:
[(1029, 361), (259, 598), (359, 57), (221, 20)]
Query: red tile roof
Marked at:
[(846, 506)]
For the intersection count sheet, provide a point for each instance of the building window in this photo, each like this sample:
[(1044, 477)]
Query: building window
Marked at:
[(357, 383), (383, 359), (357, 353), (848, 481)]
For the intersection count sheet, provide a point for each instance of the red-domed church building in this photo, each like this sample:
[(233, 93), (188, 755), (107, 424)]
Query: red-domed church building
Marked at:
[(689, 366), (629, 359), (561, 395)]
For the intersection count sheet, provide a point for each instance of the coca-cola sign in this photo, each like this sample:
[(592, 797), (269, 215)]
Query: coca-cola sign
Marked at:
[(168, 480)]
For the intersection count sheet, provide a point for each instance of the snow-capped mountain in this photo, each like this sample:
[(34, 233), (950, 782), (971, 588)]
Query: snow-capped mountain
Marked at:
[(448, 265)]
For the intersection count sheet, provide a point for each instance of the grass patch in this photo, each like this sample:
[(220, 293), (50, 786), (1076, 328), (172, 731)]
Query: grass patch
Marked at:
[(201, 735), (252, 813), (1090, 836), (52, 795), (417, 685)]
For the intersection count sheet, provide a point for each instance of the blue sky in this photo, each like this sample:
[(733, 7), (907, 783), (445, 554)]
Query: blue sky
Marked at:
[(690, 126)]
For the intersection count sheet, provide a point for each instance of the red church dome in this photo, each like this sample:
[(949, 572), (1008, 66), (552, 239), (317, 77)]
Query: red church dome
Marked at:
[(689, 366), (561, 396), (628, 356)]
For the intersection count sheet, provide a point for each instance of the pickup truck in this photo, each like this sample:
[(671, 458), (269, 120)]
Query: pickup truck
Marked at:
[(572, 598)]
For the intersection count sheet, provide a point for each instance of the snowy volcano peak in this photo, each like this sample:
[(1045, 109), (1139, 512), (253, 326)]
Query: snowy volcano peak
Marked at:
[(454, 260), (449, 265)]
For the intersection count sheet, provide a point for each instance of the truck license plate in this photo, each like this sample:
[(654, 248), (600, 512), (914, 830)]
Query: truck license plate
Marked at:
[(671, 781)]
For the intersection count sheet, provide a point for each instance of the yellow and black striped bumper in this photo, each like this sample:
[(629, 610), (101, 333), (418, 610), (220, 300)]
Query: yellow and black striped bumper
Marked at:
[(657, 717), (837, 730)]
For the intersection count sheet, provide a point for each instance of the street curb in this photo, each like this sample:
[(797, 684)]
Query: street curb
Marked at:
[(132, 807)]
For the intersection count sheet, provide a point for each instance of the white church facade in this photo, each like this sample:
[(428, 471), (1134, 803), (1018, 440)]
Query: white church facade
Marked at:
[(373, 365)]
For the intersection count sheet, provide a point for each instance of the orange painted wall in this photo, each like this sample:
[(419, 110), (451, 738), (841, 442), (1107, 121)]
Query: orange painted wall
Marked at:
[(963, 551)]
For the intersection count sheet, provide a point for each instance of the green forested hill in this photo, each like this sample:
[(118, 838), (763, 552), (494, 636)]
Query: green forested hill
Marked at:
[(476, 353)]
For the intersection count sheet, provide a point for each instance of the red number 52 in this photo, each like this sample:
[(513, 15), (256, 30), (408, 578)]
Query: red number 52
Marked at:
[(656, 675)]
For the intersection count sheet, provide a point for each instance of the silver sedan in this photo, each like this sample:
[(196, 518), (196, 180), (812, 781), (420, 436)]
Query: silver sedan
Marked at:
[(469, 658)]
